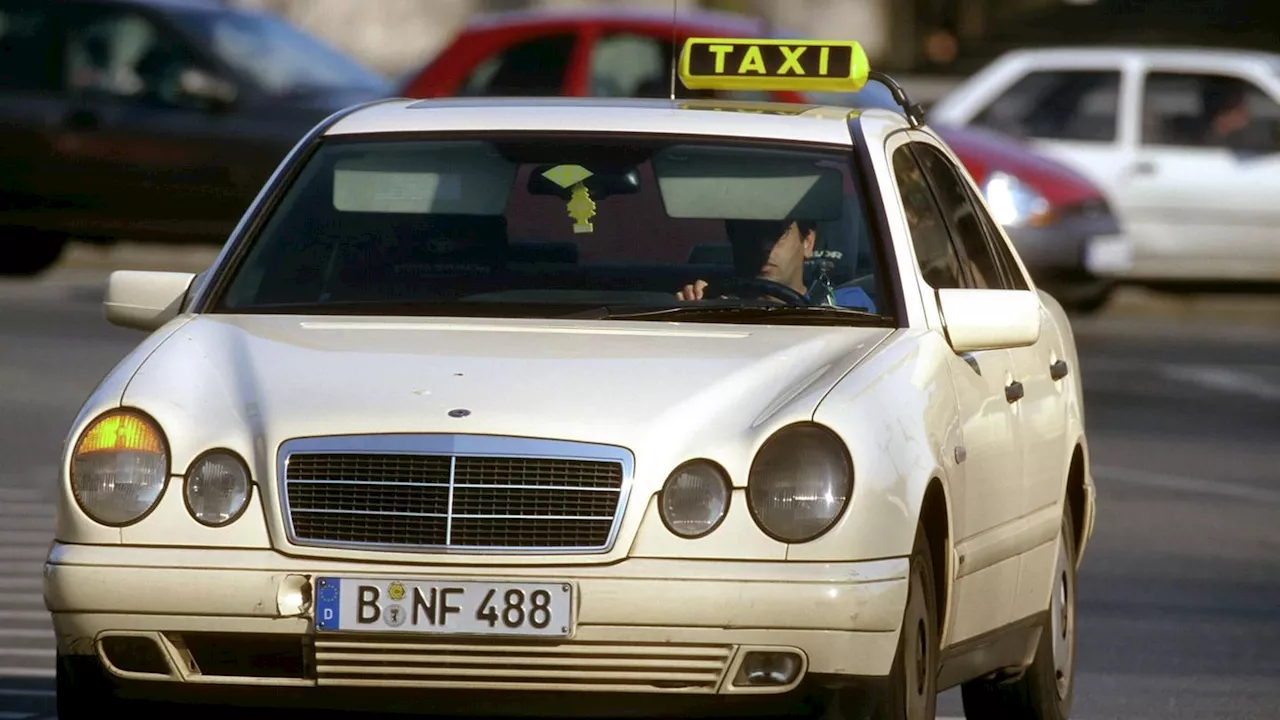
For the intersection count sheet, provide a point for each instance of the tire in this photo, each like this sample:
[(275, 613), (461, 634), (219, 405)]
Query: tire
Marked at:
[(1041, 693), (1083, 299), (911, 689), (28, 252)]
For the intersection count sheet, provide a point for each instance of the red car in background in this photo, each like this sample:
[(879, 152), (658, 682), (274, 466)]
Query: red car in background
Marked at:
[(1052, 213)]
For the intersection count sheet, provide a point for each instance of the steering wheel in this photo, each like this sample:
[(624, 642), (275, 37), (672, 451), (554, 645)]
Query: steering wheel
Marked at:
[(757, 287)]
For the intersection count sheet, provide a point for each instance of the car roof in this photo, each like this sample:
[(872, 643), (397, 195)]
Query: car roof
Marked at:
[(822, 124), (727, 22), (1146, 51)]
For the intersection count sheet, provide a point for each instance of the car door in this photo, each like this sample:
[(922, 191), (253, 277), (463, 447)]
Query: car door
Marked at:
[(146, 156), (1200, 204), (1033, 392), (987, 495)]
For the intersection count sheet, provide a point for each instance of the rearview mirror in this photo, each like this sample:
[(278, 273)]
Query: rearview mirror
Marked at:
[(600, 181), (143, 299), (978, 319)]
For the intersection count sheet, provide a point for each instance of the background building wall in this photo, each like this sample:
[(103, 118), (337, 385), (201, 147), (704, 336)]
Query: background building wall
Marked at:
[(395, 36)]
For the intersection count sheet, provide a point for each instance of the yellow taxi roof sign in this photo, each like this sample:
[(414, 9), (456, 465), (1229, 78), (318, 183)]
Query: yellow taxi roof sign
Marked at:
[(769, 64)]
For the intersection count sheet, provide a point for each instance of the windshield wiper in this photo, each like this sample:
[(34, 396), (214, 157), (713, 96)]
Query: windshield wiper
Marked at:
[(742, 313)]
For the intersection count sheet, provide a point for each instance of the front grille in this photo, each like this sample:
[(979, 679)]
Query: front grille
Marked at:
[(451, 500), (576, 666)]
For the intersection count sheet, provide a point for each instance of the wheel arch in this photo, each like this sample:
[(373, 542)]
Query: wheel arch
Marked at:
[(935, 518)]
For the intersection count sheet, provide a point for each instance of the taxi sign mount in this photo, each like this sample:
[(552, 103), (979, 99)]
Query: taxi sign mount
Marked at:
[(769, 64)]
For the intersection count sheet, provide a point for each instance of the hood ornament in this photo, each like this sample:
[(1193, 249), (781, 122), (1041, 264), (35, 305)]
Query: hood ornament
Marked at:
[(459, 413)]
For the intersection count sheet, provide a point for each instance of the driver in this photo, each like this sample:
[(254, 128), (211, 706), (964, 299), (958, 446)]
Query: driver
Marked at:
[(767, 249)]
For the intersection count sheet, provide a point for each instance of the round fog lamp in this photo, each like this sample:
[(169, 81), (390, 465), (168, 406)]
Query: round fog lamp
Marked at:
[(694, 499), (217, 489)]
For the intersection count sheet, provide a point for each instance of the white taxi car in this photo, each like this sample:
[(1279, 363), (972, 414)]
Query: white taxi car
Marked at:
[(566, 405)]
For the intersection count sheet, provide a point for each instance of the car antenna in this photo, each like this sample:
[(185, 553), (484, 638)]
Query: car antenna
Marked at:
[(675, 55), (914, 111)]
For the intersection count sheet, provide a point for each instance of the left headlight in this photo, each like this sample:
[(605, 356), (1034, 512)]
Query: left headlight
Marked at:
[(119, 467), (800, 483), (217, 488), (1013, 203)]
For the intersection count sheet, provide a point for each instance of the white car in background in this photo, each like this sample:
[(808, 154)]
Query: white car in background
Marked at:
[(1138, 122)]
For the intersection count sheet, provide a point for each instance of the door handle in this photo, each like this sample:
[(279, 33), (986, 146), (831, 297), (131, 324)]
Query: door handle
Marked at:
[(1144, 167), (1014, 392), (1058, 370)]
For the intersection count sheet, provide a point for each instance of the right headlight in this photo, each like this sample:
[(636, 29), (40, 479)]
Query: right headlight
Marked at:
[(800, 483), (217, 488), (119, 467)]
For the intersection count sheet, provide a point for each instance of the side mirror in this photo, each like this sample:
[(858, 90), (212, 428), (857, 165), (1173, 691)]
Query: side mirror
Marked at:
[(143, 299), (978, 319), (205, 87)]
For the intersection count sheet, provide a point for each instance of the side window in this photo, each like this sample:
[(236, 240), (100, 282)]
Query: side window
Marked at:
[(1058, 105), (964, 218), (123, 54), (28, 50), (633, 65), (1202, 110), (533, 67), (939, 264), (630, 65)]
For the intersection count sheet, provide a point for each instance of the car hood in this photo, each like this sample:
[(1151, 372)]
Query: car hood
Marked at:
[(984, 152), (256, 381)]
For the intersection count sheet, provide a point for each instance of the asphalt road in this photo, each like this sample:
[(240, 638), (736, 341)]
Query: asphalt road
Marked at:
[(1180, 594)]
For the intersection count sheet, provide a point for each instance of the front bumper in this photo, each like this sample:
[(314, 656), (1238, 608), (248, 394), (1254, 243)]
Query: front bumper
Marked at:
[(178, 620), (1075, 248)]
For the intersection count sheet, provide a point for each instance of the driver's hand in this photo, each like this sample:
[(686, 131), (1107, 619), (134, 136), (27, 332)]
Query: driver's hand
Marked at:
[(692, 292)]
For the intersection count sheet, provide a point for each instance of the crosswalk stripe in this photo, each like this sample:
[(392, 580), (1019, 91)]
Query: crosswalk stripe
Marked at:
[(24, 633), (26, 672), (28, 647)]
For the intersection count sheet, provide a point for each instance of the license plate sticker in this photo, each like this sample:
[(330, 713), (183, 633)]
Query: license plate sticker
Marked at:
[(444, 607)]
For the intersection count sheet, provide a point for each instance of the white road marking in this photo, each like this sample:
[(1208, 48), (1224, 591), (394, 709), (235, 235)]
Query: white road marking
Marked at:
[(17, 692), (26, 672), (1223, 379), (1200, 486), (25, 633)]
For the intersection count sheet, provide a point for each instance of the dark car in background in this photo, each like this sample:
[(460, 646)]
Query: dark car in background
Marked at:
[(1052, 213), (150, 119)]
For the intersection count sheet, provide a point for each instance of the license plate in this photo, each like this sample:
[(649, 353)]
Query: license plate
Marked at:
[(444, 607), (1109, 255)]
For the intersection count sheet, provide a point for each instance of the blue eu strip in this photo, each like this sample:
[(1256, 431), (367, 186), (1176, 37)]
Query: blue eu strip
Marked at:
[(328, 596)]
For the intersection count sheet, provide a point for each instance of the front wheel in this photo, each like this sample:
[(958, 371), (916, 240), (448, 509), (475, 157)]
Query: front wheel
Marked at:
[(29, 252), (1045, 691), (911, 690)]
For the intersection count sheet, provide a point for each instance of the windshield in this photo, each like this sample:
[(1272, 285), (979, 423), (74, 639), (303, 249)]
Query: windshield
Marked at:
[(281, 58), (550, 226)]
